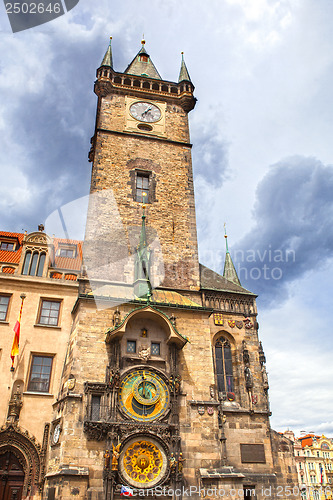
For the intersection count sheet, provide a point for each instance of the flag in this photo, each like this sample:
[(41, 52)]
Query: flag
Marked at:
[(321, 473), (16, 341), (128, 492)]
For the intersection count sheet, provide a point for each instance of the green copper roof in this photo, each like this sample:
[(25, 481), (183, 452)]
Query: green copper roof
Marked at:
[(107, 60), (142, 65), (142, 285), (183, 74), (229, 271)]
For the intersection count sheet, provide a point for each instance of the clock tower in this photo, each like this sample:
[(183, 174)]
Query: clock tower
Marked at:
[(164, 386), (141, 152)]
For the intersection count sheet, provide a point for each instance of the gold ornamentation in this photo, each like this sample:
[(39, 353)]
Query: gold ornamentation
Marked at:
[(143, 461), (115, 456)]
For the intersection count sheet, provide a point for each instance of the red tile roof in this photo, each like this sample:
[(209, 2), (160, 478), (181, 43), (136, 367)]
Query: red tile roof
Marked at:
[(9, 256), (307, 440), (56, 262), (67, 263)]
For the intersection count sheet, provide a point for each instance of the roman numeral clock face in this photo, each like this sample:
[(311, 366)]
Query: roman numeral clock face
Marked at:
[(143, 395), (145, 112)]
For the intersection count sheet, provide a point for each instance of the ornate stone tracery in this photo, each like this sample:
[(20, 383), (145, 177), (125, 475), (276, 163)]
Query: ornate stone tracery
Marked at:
[(27, 451)]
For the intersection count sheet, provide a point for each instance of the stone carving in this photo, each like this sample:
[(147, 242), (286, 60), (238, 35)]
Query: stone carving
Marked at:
[(94, 387), (107, 459), (15, 406), (246, 355), (114, 378), (173, 319), (44, 450), (95, 430), (248, 378), (144, 353), (37, 238), (262, 357), (264, 378), (116, 318), (20, 443)]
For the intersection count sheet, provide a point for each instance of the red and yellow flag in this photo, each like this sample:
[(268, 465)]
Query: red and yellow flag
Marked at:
[(16, 341)]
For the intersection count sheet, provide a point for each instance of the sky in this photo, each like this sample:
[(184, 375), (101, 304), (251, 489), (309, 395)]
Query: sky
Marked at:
[(262, 153)]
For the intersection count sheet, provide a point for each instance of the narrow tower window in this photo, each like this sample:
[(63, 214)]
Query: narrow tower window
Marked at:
[(223, 362), (142, 188)]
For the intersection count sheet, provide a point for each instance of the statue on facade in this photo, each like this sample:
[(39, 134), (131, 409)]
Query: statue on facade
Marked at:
[(248, 378), (15, 406), (107, 459), (115, 456), (177, 384), (181, 461), (172, 463)]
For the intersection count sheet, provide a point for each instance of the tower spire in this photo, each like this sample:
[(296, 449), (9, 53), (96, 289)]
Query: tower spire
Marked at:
[(142, 65), (142, 285), (183, 74), (107, 60), (229, 271)]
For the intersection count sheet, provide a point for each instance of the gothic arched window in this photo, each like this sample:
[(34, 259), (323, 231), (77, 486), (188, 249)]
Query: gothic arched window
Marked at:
[(34, 266), (223, 361)]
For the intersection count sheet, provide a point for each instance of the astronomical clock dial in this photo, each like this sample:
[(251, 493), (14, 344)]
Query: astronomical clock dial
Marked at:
[(143, 395), (143, 462), (145, 112)]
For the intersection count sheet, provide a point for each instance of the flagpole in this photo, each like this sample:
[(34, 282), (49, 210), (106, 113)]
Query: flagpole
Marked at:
[(16, 341)]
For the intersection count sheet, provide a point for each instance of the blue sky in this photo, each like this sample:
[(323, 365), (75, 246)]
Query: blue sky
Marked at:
[(262, 154)]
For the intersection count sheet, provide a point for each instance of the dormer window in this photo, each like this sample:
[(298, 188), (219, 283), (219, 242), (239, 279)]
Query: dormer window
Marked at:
[(7, 245), (67, 251), (143, 58)]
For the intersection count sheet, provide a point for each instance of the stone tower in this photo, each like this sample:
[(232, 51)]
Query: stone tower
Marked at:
[(164, 385)]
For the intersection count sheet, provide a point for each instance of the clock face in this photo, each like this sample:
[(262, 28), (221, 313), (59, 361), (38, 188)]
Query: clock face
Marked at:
[(143, 395), (56, 433), (145, 112), (143, 462)]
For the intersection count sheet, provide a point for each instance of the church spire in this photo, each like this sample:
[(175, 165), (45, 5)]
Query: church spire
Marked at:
[(183, 74), (142, 285), (229, 269), (107, 60), (142, 65)]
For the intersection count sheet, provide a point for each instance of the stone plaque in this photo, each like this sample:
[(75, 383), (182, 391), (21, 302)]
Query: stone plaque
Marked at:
[(253, 453)]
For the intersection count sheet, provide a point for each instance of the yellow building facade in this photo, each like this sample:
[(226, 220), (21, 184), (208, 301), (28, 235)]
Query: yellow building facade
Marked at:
[(314, 459)]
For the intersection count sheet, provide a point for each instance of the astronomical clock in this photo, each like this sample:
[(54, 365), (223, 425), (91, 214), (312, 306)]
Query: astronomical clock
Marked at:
[(137, 408), (144, 395)]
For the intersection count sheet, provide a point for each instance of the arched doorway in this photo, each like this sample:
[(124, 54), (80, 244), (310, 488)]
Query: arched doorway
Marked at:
[(11, 477)]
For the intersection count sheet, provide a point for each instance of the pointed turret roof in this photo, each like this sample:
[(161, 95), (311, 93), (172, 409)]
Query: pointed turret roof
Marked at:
[(229, 271), (107, 60), (142, 65), (183, 74)]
